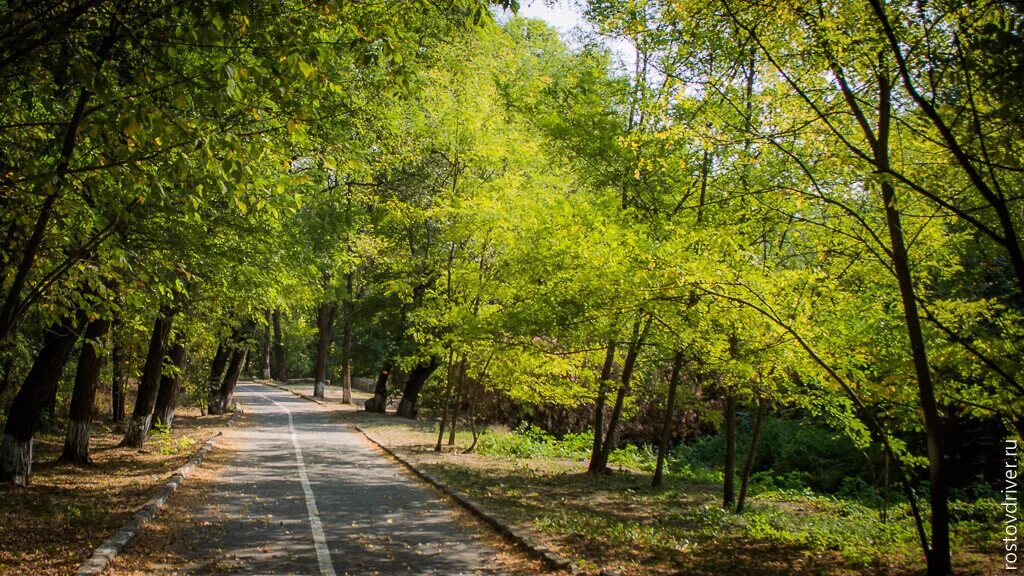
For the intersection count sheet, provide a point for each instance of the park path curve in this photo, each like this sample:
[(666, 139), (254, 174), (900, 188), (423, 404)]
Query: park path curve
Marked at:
[(304, 494)]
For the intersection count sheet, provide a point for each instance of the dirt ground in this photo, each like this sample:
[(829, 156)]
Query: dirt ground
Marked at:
[(53, 525)]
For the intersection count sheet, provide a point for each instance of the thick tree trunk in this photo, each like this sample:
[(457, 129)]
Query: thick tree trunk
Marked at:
[(118, 380), (379, 402), (36, 390), (346, 341), (939, 562), (280, 372), (748, 467), (729, 474), (170, 385), (266, 342), (83, 396), (217, 366), (602, 399), (149, 384), (611, 438), (227, 387), (324, 322), (666, 426), (417, 378)]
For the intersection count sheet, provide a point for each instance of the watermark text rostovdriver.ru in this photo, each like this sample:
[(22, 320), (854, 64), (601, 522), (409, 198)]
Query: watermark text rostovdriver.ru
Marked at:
[(1010, 507)]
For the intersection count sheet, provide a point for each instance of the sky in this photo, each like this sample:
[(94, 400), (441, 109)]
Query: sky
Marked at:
[(565, 15), (560, 14)]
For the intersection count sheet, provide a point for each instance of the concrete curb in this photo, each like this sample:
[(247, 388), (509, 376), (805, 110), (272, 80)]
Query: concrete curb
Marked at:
[(551, 558), (299, 394), (111, 547)]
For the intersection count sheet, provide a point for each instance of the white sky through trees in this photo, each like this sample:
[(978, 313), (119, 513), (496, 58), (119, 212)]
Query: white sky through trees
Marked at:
[(566, 16)]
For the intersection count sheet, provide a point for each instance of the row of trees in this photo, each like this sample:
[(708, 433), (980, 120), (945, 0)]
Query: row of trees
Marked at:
[(153, 162), (810, 206)]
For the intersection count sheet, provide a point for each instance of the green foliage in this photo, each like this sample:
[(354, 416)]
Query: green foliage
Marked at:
[(167, 444), (529, 441), (794, 453)]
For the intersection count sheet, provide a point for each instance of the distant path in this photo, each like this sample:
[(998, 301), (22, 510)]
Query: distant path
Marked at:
[(304, 494)]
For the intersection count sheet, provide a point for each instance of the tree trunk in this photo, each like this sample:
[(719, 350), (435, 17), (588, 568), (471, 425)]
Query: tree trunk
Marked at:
[(666, 426), (379, 402), (145, 397), (417, 378), (280, 359), (170, 385), (324, 321), (611, 438), (939, 563), (28, 405), (13, 300), (346, 341), (90, 360), (13, 305), (748, 467), (729, 474), (266, 341), (118, 380), (227, 387), (217, 366), (602, 399), (460, 387), (447, 406)]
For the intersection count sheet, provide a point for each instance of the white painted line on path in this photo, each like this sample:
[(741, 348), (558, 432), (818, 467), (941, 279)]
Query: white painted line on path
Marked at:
[(323, 555)]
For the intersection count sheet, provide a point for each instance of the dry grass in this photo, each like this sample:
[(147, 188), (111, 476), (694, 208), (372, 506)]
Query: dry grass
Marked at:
[(52, 525), (619, 523)]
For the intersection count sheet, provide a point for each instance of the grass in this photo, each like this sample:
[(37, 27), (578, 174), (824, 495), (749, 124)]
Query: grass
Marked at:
[(618, 522)]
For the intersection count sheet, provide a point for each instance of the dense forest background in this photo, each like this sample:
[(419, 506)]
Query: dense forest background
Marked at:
[(793, 225)]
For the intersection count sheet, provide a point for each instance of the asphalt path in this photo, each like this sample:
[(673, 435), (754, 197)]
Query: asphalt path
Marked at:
[(305, 494)]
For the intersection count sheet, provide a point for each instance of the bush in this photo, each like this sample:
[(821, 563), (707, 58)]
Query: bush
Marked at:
[(827, 458), (530, 441)]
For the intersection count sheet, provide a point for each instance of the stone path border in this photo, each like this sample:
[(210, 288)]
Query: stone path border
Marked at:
[(551, 558), (111, 547)]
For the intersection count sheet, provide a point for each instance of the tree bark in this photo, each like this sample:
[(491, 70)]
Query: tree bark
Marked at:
[(611, 438), (324, 322), (266, 342), (748, 467), (280, 359), (145, 397), (170, 386), (939, 562), (346, 341), (729, 474), (666, 426), (456, 411), (379, 402), (119, 379), (453, 374), (227, 387), (90, 360), (39, 385), (217, 366), (602, 399), (417, 378)]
